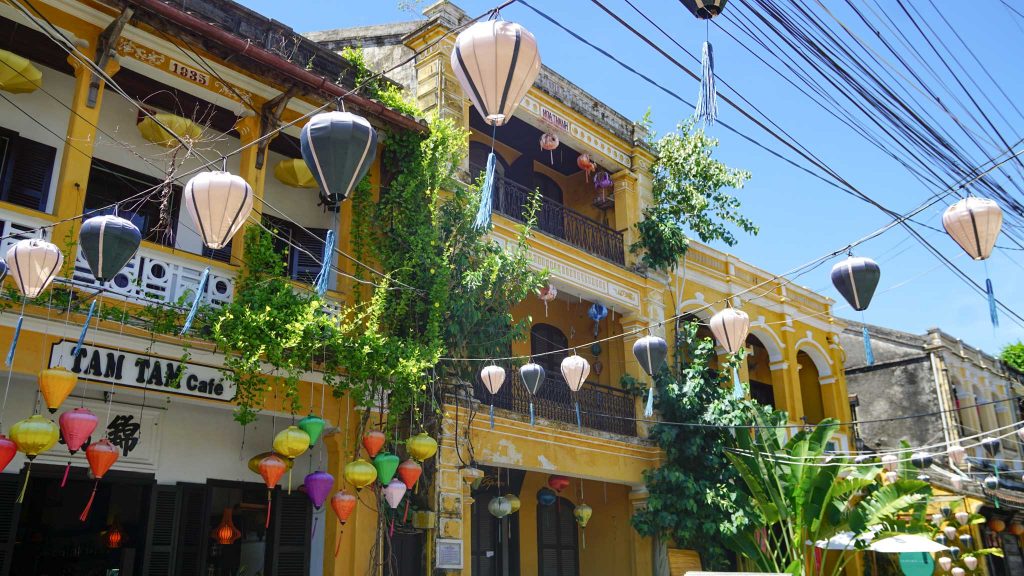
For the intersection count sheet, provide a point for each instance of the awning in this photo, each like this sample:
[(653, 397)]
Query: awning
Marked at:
[(845, 541), (907, 543), (17, 74)]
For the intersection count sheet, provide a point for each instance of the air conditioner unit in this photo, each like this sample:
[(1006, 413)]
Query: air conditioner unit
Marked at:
[(449, 554)]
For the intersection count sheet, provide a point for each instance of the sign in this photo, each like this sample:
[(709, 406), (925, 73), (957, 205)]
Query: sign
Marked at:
[(554, 119), (144, 371), (917, 563)]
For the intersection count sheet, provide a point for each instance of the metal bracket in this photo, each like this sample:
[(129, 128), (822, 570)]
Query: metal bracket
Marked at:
[(270, 119), (106, 49)]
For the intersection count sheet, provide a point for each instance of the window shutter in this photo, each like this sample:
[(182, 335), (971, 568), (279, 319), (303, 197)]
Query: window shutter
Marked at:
[(31, 170), (304, 264), (192, 530), (221, 254), (163, 523), (10, 484), (292, 526), (558, 555)]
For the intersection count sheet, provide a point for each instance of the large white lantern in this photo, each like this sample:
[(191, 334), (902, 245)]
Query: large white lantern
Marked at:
[(34, 263), (974, 224), (730, 327), (575, 370), (496, 63), (219, 203), (493, 377)]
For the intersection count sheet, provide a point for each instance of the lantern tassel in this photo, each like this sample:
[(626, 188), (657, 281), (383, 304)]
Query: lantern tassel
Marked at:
[(337, 545), (320, 283), (869, 355), (67, 469), (492, 416), (707, 100), (737, 386), (14, 341), (531, 413), (483, 213), (649, 408), (583, 537), (88, 505), (992, 310), (85, 329), (579, 420), (24, 486), (200, 290), (391, 533), (405, 517), (289, 481), (316, 518), (269, 503)]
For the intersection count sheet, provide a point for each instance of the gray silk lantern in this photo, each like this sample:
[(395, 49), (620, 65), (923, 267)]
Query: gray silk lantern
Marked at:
[(339, 148), (921, 459), (990, 482), (856, 279), (991, 445), (533, 377), (108, 243), (650, 353)]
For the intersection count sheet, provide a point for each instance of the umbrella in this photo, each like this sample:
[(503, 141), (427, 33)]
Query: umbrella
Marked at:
[(845, 541), (907, 543)]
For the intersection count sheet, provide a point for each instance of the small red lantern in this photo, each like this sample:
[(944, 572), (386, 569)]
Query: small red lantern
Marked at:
[(586, 164), (114, 537), (101, 456), (410, 471), (373, 441), (225, 533), (557, 482), (271, 469)]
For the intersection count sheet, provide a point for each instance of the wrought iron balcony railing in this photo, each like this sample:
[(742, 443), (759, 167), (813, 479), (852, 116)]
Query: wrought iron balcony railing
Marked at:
[(601, 407)]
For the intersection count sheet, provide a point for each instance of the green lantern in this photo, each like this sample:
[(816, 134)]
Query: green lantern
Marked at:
[(314, 426), (386, 464)]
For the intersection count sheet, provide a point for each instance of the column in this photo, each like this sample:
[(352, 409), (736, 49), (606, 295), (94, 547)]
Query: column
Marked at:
[(627, 210), (437, 89), (642, 548), (249, 129), (451, 495), (791, 375)]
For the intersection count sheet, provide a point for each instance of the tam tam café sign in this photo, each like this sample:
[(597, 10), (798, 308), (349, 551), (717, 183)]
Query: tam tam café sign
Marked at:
[(143, 371)]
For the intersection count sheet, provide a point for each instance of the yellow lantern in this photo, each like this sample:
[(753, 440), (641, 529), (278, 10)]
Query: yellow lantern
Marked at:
[(421, 447), (17, 74), (360, 473), (56, 384), (33, 435), (291, 443), (514, 501), (295, 173), (188, 130)]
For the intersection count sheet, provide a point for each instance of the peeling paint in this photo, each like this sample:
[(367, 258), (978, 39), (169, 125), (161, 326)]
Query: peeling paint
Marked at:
[(507, 453), (545, 463)]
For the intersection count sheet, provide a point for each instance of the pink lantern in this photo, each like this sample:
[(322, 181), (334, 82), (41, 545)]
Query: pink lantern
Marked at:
[(394, 492), (549, 142), (890, 463), (957, 454), (547, 294), (76, 426)]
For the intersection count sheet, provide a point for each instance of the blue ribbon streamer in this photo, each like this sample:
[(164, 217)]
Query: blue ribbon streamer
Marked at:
[(323, 278), (707, 100), (14, 342), (869, 355), (531, 413), (483, 213), (992, 310), (649, 409), (737, 386), (492, 416), (85, 328), (579, 420), (200, 290)]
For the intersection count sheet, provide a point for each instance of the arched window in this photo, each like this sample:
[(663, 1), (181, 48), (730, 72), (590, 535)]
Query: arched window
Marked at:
[(759, 371), (557, 545), (810, 388), (545, 339), (550, 219), (478, 152)]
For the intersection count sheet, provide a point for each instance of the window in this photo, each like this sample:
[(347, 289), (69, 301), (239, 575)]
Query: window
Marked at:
[(26, 168), (557, 549), (302, 265), (110, 184), (547, 346)]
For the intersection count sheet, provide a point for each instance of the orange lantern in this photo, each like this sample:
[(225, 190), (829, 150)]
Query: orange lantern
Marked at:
[(225, 533), (996, 525), (101, 456), (56, 385), (410, 471), (586, 164), (344, 504), (271, 469), (1017, 529), (114, 536), (373, 441)]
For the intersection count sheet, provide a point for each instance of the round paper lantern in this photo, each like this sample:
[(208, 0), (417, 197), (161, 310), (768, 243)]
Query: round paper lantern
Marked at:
[(291, 442), (962, 518), (856, 279), (937, 519), (271, 468), (295, 173), (950, 533), (945, 511), (603, 182), (108, 243), (7, 451), (991, 445), (1016, 528), (56, 384), (313, 426), (957, 454), (532, 376), (730, 328), (373, 441), (318, 486), (921, 459), (941, 539), (339, 148), (957, 571), (33, 263), (410, 472), (974, 224), (101, 456), (76, 426), (945, 563), (34, 435), (386, 465), (499, 507), (114, 537), (219, 204), (547, 294), (17, 74), (582, 513), (557, 482), (971, 562), (705, 9), (996, 525), (546, 496), (514, 502), (575, 370), (496, 63), (343, 504), (3, 270), (226, 533), (890, 463), (360, 473), (954, 552), (394, 492), (254, 462), (583, 162), (1020, 433), (548, 141), (650, 352), (421, 447), (493, 377)]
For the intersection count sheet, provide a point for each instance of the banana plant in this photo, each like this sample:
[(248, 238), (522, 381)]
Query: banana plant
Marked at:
[(803, 495)]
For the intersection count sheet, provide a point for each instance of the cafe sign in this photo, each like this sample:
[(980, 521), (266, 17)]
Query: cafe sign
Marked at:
[(143, 371)]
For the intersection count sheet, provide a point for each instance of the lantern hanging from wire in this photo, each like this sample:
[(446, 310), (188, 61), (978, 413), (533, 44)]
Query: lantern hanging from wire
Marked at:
[(597, 312), (957, 454), (921, 460), (962, 518), (650, 352), (226, 533), (496, 63), (394, 492), (421, 447), (164, 128), (343, 504), (291, 443), (583, 162), (546, 496), (954, 553), (730, 328), (295, 172), (56, 384), (493, 377), (602, 185), (991, 445), (339, 148), (33, 263), (547, 294), (549, 143), (373, 441), (582, 513), (575, 370), (890, 463), (33, 436), (219, 203), (101, 456), (313, 426), (856, 279), (990, 482), (499, 507), (76, 426), (945, 563), (996, 525), (360, 473), (410, 472), (558, 482), (318, 486), (108, 244), (386, 464), (114, 537), (971, 563), (532, 376), (1016, 528), (707, 100), (974, 223), (514, 502), (18, 75), (254, 462), (271, 467)]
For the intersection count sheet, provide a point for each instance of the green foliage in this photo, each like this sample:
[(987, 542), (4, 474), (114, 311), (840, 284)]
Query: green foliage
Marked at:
[(1013, 355), (375, 87), (690, 192), (694, 495)]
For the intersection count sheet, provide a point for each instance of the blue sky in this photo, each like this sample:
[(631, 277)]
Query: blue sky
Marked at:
[(800, 217)]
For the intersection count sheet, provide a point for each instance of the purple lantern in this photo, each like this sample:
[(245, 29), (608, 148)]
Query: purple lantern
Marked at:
[(318, 487)]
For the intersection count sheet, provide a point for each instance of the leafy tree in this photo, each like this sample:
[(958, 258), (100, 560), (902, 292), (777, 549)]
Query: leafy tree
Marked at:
[(690, 194), (1013, 355)]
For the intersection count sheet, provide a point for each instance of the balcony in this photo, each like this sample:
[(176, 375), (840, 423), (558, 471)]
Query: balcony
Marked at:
[(601, 407), (563, 223)]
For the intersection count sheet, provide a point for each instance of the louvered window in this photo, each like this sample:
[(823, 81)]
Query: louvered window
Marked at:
[(110, 184), (27, 169), (303, 249), (557, 540)]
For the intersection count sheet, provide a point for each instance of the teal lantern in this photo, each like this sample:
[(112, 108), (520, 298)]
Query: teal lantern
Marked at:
[(339, 148), (108, 243), (314, 426)]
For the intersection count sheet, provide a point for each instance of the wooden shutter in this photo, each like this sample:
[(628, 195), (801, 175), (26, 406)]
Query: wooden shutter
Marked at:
[(192, 530), (289, 555), (220, 254), (30, 171), (304, 264), (162, 527), (558, 554), (10, 485), (484, 540)]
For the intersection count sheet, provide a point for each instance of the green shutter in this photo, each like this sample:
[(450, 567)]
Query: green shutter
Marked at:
[(161, 531), (292, 525)]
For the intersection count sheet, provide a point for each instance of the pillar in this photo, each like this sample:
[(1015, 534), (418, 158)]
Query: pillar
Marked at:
[(627, 209), (452, 499), (791, 375), (249, 129), (437, 89), (641, 547)]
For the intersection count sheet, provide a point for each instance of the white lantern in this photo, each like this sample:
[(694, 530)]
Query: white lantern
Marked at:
[(394, 492), (496, 63), (971, 562), (962, 518), (956, 482), (34, 263), (891, 477), (493, 377), (945, 563), (890, 462), (219, 203), (730, 327), (957, 454), (499, 507), (937, 519), (950, 533), (974, 224), (1020, 433), (575, 370), (958, 571)]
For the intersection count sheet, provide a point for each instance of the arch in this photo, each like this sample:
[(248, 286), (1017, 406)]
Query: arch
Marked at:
[(545, 338), (478, 152), (817, 353), (759, 373), (810, 378), (769, 340)]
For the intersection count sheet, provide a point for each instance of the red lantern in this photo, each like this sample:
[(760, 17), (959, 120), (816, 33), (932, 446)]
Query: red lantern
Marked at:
[(114, 537), (76, 426), (271, 469), (557, 482), (344, 504), (7, 451), (1017, 529), (373, 441), (225, 533), (101, 456), (410, 471)]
